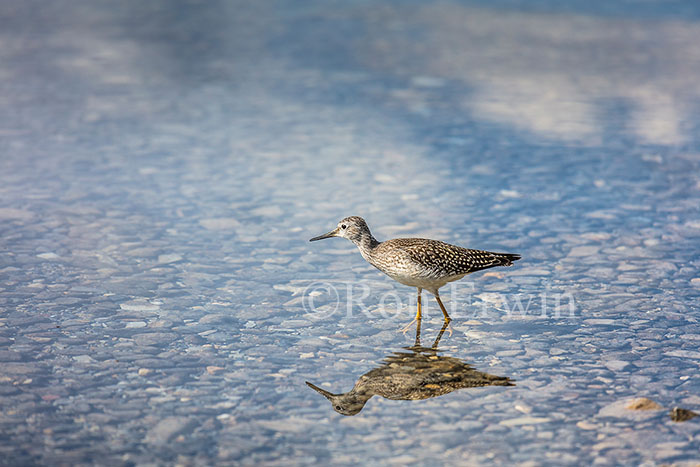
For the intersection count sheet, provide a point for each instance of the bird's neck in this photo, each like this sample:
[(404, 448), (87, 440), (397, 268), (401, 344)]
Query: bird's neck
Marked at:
[(366, 243)]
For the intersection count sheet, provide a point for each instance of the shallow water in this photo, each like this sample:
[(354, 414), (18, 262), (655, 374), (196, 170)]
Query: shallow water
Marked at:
[(164, 165)]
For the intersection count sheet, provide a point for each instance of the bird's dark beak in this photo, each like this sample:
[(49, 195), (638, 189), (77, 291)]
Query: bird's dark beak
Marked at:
[(323, 392), (330, 234)]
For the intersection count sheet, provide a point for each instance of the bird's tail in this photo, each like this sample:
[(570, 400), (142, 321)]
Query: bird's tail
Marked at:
[(507, 258)]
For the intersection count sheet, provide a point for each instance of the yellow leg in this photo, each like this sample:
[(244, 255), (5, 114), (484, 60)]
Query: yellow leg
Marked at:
[(442, 307), (444, 312), (418, 317)]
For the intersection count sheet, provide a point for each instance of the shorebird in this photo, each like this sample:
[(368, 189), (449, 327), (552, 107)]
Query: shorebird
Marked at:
[(417, 262), (420, 373)]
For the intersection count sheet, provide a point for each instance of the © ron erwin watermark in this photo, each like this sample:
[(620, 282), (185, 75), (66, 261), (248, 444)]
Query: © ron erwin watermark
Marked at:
[(323, 299)]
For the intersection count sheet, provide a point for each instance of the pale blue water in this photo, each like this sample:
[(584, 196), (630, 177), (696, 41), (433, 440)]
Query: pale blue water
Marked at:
[(164, 164)]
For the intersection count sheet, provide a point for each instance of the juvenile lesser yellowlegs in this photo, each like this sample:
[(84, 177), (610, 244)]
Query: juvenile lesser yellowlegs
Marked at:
[(417, 262)]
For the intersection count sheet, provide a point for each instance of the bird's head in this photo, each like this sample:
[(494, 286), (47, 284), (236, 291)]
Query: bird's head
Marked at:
[(353, 228), (344, 404)]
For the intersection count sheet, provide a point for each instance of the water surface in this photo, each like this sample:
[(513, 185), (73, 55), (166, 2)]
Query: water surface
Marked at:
[(164, 165)]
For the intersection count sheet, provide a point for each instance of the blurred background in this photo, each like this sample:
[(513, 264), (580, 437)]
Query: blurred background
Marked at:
[(163, 165)]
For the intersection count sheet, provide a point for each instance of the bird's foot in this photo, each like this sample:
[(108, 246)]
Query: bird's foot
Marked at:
[(405, 329)]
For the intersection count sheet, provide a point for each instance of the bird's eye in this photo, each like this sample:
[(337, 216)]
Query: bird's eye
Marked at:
[(343, 226), (337, 407)]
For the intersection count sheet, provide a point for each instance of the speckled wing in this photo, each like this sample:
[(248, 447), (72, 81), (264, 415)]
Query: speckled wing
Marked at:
[(440, 259)]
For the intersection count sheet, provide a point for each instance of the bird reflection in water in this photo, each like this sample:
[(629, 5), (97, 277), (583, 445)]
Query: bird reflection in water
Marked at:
[(417, 374)]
